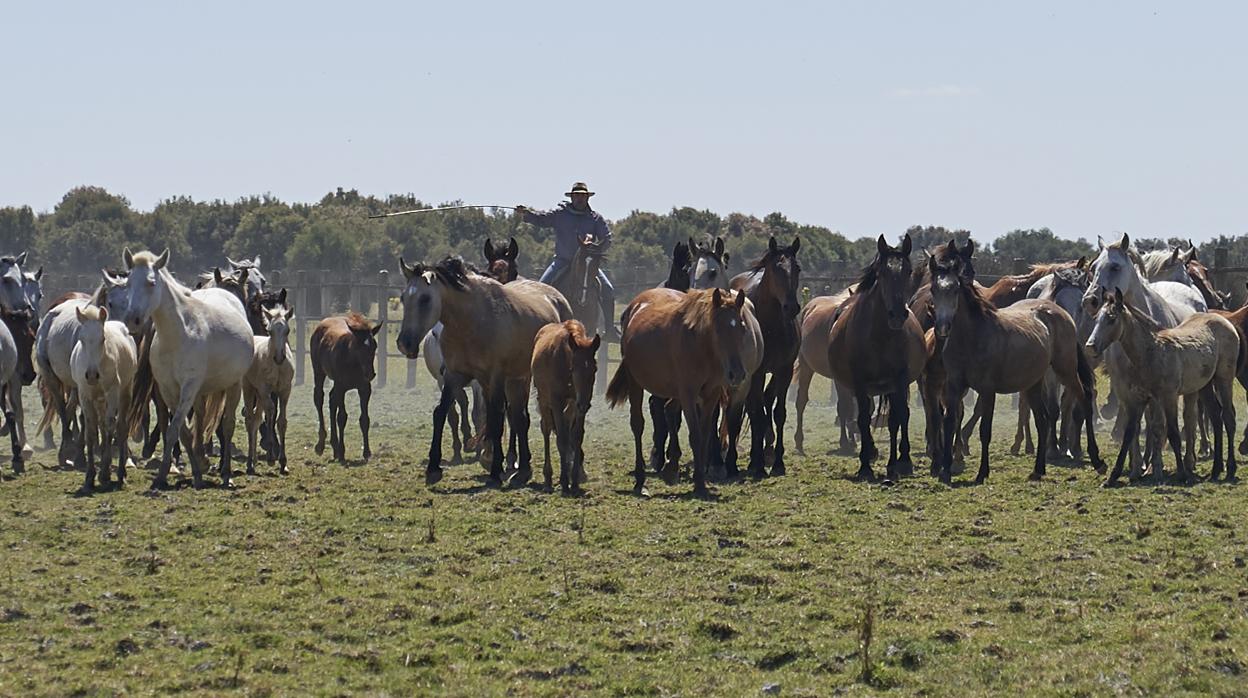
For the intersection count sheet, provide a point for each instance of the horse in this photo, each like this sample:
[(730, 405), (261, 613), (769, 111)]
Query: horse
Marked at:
[(1199, 357), (1065, 288), (32, 287), (343, 349), (200, 350), (678, 274), (814, 323), (488, 334), (711, 268), (256, 280), (875, 347), (580, 285), (1119, 266), (1005, 350), (13, 284), (699, 349), (266, 387), (771, 284), (22, 330), (9, 359), (500, 262), (104, 362), (1199, 274), (1008, 290), (565, 361)]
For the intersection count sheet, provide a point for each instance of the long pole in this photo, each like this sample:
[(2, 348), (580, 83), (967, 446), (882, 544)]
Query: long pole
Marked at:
[(443, 208)]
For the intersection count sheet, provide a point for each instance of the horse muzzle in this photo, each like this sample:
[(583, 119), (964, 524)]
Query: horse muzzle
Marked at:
[(407, 347)]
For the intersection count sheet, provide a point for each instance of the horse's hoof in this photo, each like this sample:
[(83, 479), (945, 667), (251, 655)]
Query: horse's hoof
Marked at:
[(520, 478), (456, 459), (1034, 477), (198, 484), (701, 492), (778, 470), (1014, 450), (946, 479), (494, 482), (251, 470), (1111, 483), (864, 475), (670, 474), (284, 470), (432, 476), (319, 448), (756, 472), (640, 490), (904, 467)]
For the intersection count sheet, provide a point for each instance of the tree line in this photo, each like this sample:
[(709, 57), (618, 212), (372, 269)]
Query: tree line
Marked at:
[(90, 225)]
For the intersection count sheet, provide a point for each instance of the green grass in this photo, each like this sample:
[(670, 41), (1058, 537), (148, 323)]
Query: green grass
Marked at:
[(360, 580)]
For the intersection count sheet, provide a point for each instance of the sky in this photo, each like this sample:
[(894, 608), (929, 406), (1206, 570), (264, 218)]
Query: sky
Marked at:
[(865, 117)]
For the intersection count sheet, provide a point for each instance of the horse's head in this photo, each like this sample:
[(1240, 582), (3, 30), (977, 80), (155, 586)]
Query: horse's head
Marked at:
[(711, 268), (1199, 274), (949, 279), (1110, 323), (731, 331), (32, 288), (145, 287), (90, 347), (1168, 265), (1114, 267), (254, 279), (889, 276), (501, 261), (422, 306), (277, 324), (13, 284), (364, 353), (584, 366), (782, 274)]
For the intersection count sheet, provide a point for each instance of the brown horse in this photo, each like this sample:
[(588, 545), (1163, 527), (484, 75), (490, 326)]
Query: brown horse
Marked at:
[(771, 285), (1002, 351), (565, 362), (698, 348), (815, 324), (875, 347), (1008, 290), (344, 349), (488, 334)]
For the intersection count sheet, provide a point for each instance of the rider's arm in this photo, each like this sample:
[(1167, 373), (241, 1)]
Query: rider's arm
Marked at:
[(602, 233), (542, 219)]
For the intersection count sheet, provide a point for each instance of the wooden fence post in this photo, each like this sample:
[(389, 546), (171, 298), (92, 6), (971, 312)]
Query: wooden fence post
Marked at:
[(301, 327), (1018, 267), (383, 317)]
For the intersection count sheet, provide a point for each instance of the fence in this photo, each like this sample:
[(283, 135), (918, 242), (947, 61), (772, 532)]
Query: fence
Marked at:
[(318, 293)]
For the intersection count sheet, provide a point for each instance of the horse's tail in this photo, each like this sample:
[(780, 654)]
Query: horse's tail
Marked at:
[(1242, 362), (144, 386), (214, 409), (1087, 381), (49, 407), (621, 385)]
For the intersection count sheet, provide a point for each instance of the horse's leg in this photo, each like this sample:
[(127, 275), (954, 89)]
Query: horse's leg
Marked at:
[(734, 418), (779, 412), (87, 436), (904, 466), (251, 421), (19, 415), (517, 393), (173, 432), (1174, 435), (1192, 415), (637, 422), (283, 399), (671, 415), (1043, 417), (228, 422), (804, 375), (366, 394), (1131, 426), (495, 410), (1212, 409), (950, 431), (894, 417), (658, 417), (987, 405), (337, 422), (701, 433), (866, 449), (1203, 422), (968, 429), (1226, 401), (465, 425), (754, 404), (318, 398), (453, 419), (8, 419), (1020, 431), (433, 471), (563, 444), (546, 420)]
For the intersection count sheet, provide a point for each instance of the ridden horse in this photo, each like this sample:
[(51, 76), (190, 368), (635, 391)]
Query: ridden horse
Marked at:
[(201, 349), (488, 334), (771, 284), (266, 387), (104, 362), (875, 347), (580, 285), (1005, 350), (343, 349), (565, 362), (1198, 357), (21, 335), (500, 262), (698, 349)]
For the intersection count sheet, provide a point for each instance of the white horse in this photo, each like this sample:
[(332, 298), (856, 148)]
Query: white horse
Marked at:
[(255, 280), (201, 351), (103, 363), (8, 379), (711, 268), (12, 284), (266, 388)]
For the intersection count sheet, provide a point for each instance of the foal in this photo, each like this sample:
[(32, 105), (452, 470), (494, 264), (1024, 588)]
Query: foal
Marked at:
[(564, 365), (266, 387), (343, 349), (104, 362)]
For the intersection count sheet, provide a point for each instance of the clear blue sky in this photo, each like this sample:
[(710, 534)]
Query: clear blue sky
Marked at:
[(866, 117)]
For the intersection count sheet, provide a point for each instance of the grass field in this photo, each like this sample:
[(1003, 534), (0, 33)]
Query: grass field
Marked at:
[(358, 579)]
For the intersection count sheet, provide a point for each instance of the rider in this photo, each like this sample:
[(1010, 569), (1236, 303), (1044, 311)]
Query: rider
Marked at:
[(573, 223)]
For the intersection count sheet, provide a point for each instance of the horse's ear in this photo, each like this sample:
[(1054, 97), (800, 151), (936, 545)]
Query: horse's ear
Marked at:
[(725, 258), (232, 263), (78, 311), (488, 250), (21, 259), (128, 256), (881, 245), (593, 346), (1083, 262), (906, 245), (216, 275), (1174, 254), (376, 329), (39, 274), (408, 270), (513, 250), (968, 250), (103, 313), (255, 263), (692, 245), (1189, 255), (290, 310), (281, 296), (111, 280), (1100, 243), (162, 260), (719, 248), (797, 245), (771, 245), (740, 299), (1125, 242), (717, 297)]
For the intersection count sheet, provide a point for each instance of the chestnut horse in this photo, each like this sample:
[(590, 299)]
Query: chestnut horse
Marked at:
[(875, 347), (814, 325), (344, 349), (698, 348), (565, 362)]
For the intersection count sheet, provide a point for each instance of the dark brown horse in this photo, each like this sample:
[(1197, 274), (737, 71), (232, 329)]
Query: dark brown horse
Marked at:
[(500, 262), (698, 348), (344, 349), (876, 347), (678, 275), (1002, 351), (771, 284)]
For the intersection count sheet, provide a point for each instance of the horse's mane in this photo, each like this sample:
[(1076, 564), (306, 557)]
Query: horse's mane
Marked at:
[(1141, 317), (454, 271), (357, 322), (1154, 261), (697, 310), (976, 301), (870, 274), (91, 312), (577, 330)]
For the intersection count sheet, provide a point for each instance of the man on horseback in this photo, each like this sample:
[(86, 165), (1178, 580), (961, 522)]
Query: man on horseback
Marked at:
[(574, 223)]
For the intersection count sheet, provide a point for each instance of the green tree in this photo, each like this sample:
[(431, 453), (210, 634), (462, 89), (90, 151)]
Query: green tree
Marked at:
[(268, 231), (1040, 245), (17, 229), (323, 245)]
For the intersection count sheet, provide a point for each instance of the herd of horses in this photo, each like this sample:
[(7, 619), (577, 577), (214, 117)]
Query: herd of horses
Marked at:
[(144, 357)]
